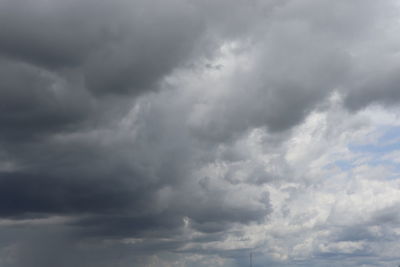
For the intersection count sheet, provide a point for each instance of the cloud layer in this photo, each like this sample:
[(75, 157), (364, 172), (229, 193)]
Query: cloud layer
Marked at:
[(187, 133)]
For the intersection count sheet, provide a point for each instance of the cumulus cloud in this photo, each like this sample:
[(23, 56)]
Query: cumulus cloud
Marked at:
[(186, 133)]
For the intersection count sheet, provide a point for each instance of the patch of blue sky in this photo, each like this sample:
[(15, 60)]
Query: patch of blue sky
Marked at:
[(374, 161), (387, 141), (374, 153), (344, 165)]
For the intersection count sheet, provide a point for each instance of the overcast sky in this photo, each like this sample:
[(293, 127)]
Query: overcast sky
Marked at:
[(158, 133)]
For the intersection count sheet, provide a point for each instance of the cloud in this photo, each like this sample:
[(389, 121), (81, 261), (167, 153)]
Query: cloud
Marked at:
[(184, 133)]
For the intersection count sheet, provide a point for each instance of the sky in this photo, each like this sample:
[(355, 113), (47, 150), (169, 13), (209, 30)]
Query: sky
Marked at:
[(157, 133)]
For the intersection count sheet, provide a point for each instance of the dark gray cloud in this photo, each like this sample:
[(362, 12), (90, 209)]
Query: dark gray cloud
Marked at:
[(123, 47), (35, 103), (380, 89)]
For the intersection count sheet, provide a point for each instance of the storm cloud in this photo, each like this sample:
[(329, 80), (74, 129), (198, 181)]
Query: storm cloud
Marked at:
[(191, 133)]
